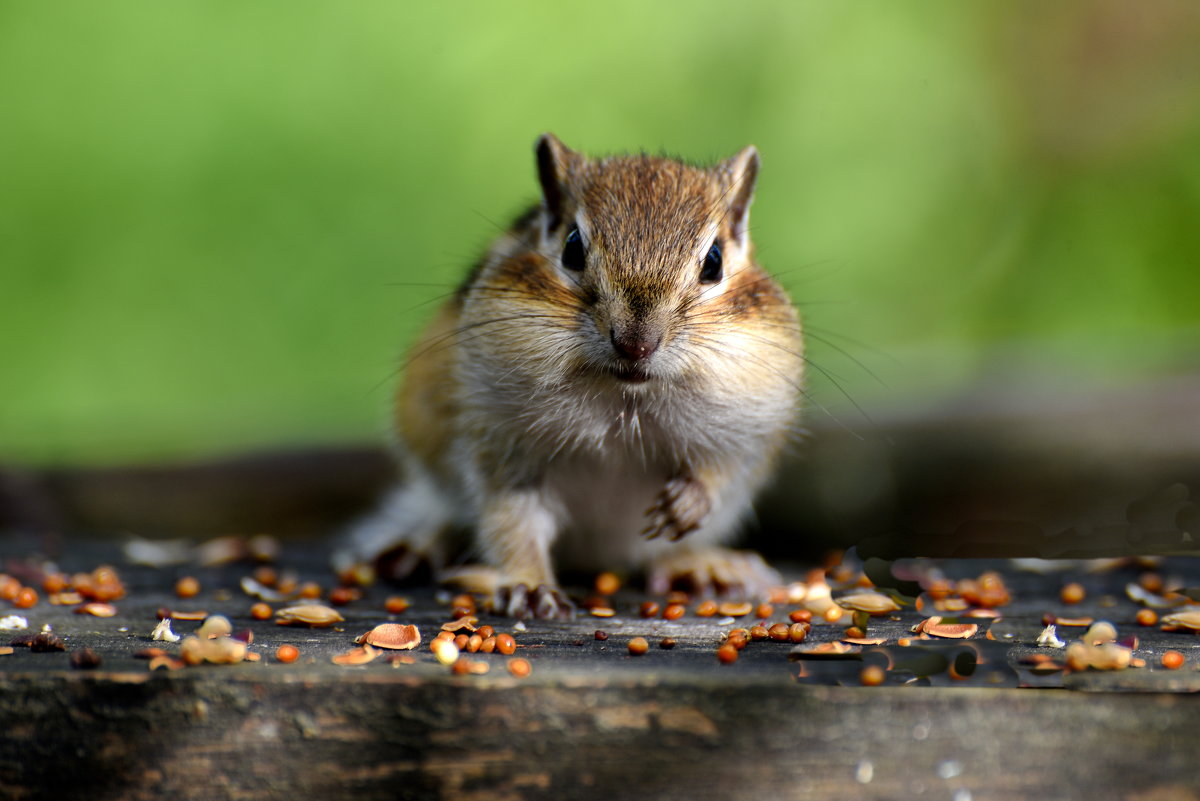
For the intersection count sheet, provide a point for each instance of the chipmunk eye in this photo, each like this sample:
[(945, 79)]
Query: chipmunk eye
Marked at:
[(710, 270), (573, 256)]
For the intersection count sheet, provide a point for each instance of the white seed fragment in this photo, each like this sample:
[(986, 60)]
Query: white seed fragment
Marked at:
[(162, 632), (1049, 638), (14, 623), (445, 651)]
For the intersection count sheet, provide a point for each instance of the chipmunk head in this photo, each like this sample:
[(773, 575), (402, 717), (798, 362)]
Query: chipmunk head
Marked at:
[(650, 244)]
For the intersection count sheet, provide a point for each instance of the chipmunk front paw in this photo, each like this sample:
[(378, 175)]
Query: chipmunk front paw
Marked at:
[(543, 602), (679, 509)]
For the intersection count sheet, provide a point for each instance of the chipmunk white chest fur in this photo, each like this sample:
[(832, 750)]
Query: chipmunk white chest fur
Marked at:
[(608, 389)]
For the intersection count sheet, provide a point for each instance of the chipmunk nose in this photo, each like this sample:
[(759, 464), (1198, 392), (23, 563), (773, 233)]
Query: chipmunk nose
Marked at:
[(635, 345)]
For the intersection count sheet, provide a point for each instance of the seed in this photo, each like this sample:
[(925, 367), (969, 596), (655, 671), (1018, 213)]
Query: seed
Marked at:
[(287, 583), (602, 611), (706, 608), (355, 656), (727, 654), (667, 643), (464, 600), (1073, 593), (764, 611), (607, 583), (1100, 632), (779, 632), (951, 630), (96, 609), (261, 611), (266, 575), (1147, 617), (485, 631), (729, 609), (395, 636), (396, 605), (649, 609), (46, 641), (26, 597), (340, 596), (678, 597), (854, 632), (466, 622), (87, 659), (505, 644), (1151, 582), (9, 587), (187, 587), (55, 582), (474, 643), (904, 642), (461, 666), (489, 645), (214, 626), (759, 632), (601, 635), (833, 614), (800, 616), (310, 590), (460, 641), (445, 651), (873, 603), (872, 676), (1172, 660), (519, 667), (445, 635), (797, 632), (673, 611), (638, 646), (314, 615), (1189, 619)]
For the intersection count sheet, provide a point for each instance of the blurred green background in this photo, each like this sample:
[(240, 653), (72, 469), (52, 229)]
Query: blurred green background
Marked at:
[(221, 222)]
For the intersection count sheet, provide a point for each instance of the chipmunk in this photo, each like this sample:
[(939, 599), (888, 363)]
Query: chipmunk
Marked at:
[(608, 389)]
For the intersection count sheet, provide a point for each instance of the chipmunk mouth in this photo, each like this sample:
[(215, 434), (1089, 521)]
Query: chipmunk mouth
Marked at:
[(630, 373)]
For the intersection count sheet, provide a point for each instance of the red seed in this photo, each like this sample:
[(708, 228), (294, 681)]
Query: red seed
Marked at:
[(1172, 660), (396, 605), (1073, 593), (187, 587), (601, 635), (505, 644), (519, 668), (674, 611), (779, 632), (310, 590), (607, 583), (727, 654), (759, 632), (872, 676), (706, 609), (261, 611), (287, 653), (638, 646), (667, 643), (648, 609), (26, 597), (1147, 617)]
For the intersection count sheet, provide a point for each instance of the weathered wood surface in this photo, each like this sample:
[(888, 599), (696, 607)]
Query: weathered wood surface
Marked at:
[(591, 721)]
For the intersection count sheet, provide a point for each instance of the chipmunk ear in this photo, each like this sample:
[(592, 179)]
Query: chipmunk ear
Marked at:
[(553, 160), (742, 172)]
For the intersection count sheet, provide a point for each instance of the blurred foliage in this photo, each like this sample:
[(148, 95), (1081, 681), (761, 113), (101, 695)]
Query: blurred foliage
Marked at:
[(221, 222)]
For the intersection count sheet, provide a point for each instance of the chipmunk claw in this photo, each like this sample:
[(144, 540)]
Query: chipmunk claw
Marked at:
[(542, 602), (679, 509)]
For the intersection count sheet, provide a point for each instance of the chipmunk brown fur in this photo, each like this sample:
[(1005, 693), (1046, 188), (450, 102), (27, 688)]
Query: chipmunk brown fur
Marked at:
[(607, 390)]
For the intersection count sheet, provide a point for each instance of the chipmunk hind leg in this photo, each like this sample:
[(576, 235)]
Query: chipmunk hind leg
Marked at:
[(405, 534)]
